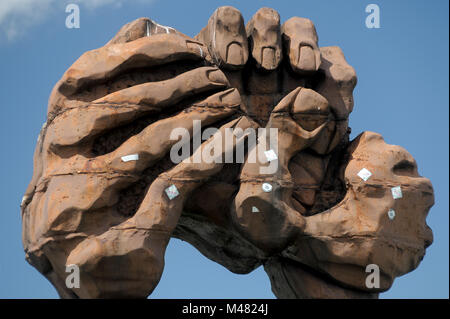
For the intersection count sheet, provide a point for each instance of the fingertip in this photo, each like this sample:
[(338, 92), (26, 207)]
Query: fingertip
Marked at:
[(131, 31), (140, 28), (301, 42), (230, 97), (264, 33), (227, 39), (215, 75), (286, 103), (311, 102)]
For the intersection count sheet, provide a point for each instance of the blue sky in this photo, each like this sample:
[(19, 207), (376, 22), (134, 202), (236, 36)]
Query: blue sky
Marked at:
[(402, 93)]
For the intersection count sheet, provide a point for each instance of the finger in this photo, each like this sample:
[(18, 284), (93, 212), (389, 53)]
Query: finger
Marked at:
[(262, 211), (96, 193), (148, 145), (171, 91), (279, 220), (292, 138), (337, 87), (300, 40), (156, 140), (310, 109), (253, 163), (339, 82), (102, 64), (284, 106), (264, 34), (186, 176), (280, 215), (302, 114), (226, 38), (300, 118), (139, 28), (124, 106), (135, 249)]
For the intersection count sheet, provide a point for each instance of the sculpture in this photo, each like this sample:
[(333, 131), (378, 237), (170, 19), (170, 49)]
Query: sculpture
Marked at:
[(106, 196)]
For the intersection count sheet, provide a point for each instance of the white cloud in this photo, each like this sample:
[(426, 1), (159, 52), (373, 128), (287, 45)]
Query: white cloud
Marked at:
[(17, 16)]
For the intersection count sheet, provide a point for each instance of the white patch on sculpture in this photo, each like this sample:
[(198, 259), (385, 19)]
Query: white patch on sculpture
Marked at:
[(396, 192), (132, 157), (364, 174), (24, 200), (172, 192), (266, 187), (148, 28), (391, 214), (270, 155)]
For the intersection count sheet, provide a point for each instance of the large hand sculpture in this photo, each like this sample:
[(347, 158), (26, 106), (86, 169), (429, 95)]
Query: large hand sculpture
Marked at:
[(106, 196)]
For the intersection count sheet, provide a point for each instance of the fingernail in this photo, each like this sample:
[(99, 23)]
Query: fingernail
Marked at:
[(230, 97), (216, 76), (306, 58), (268, 59), (234, 54)]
